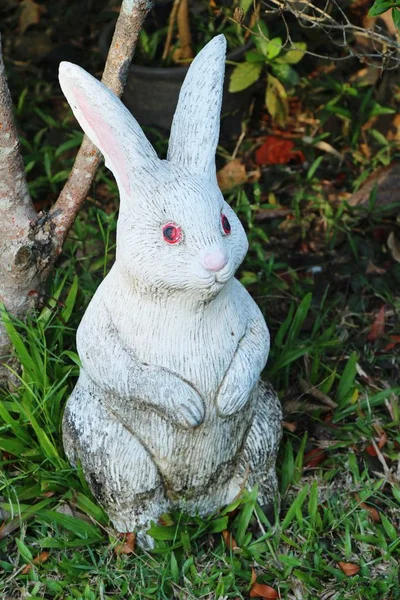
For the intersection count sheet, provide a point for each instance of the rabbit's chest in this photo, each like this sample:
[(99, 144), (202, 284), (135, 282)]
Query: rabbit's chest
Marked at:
[(199, 347)]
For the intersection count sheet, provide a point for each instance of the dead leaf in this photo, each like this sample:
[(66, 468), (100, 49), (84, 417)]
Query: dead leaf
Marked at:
[(38, 560), (394, 246), (314, 458), (394, 340), (373, 513), (272, 213), (378, 326), (231, 175), (387, 181), (261, 590), (277, 151), (29, 15), (373, 269), (289, 425), (349, 569), (229, 540), (128, 544)]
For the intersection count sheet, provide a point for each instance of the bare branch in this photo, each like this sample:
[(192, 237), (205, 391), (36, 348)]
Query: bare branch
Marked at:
[(72, 196), (15, 202), (384, 49)]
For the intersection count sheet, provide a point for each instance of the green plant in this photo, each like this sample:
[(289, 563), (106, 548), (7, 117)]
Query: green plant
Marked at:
[(275, 59), (161, 39), (381, 6)]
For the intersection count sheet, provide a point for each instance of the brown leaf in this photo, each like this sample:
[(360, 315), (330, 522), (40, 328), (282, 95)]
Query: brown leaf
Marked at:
[(373, 513), (349, 569), (373, 269), (231, 175), (314, 457), (29, 15), (38, 560), (229, 540), (378, 326), (127, 546), (289, 425), (394, 246), (394, 340), (277, 151), (261, 590), (387, 181)]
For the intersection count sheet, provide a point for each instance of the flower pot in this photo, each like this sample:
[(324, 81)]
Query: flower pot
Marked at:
[(151, 93)]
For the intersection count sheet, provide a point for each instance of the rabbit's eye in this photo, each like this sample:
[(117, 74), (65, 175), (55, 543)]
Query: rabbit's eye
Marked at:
[(172, 233), (226, 226)]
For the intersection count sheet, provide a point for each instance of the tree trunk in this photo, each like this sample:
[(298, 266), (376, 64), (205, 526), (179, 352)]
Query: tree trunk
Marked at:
[(29, 242)]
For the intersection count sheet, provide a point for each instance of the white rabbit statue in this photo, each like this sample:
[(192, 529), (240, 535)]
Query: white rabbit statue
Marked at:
[(168, 411)]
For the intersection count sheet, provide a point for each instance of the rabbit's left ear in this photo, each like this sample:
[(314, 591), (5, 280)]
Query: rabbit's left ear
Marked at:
[(195, 127)]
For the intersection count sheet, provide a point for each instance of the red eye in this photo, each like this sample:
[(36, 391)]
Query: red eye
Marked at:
[(172, 233), (226, 226)]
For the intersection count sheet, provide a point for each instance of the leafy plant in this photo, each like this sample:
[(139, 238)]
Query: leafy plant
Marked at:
[(379, 7), (274, 59)]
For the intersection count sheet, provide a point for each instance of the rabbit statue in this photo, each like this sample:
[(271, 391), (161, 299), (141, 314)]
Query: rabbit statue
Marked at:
[(168, 411)]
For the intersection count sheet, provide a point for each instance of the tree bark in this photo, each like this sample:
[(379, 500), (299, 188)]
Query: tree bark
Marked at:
[(29, 242)]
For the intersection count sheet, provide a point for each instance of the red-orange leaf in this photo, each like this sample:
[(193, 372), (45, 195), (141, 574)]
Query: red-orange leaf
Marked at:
[(261, 590), (378, 326), (277, 151), (349, 569), (38, 560)]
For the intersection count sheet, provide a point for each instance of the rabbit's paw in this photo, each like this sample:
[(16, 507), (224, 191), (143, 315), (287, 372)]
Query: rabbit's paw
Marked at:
[(185, 405), (231, 399)]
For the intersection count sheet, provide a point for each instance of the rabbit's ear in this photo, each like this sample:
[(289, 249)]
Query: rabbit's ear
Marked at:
[(110, 126), (195, 128)]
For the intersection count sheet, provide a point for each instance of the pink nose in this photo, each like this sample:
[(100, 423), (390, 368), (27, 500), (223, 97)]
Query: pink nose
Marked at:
[(215, 261)]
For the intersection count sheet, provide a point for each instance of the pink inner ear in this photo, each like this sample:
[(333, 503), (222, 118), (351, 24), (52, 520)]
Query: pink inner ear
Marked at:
[(109, 144)]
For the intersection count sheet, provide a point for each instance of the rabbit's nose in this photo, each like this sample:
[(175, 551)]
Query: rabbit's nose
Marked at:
[(215, 261)]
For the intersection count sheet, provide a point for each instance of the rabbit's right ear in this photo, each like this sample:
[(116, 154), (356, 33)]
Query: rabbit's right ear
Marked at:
[(110, 126)]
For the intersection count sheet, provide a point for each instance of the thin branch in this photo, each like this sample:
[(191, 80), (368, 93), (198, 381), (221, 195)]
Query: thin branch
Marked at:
[(72, 196), (15, 201), (386, 49), (171, 25)]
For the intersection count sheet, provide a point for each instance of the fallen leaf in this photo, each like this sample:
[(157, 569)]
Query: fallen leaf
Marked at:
[(261, 590), (373, 269), (371, 448), (349, 569), (231, 175), (373, 513), (289, 425), (314, 457), (394, 340), (29, 15), (387, 182), (394, 246), (38, 560), (277, 151), (229, 540), (128, 544), (271, 213), (378, 326)]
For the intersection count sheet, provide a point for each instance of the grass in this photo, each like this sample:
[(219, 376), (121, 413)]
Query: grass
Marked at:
[(322, 276)]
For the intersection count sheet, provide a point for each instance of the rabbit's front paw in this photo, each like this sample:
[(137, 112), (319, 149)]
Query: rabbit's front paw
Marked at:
[(186, 406), (231, 399)]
